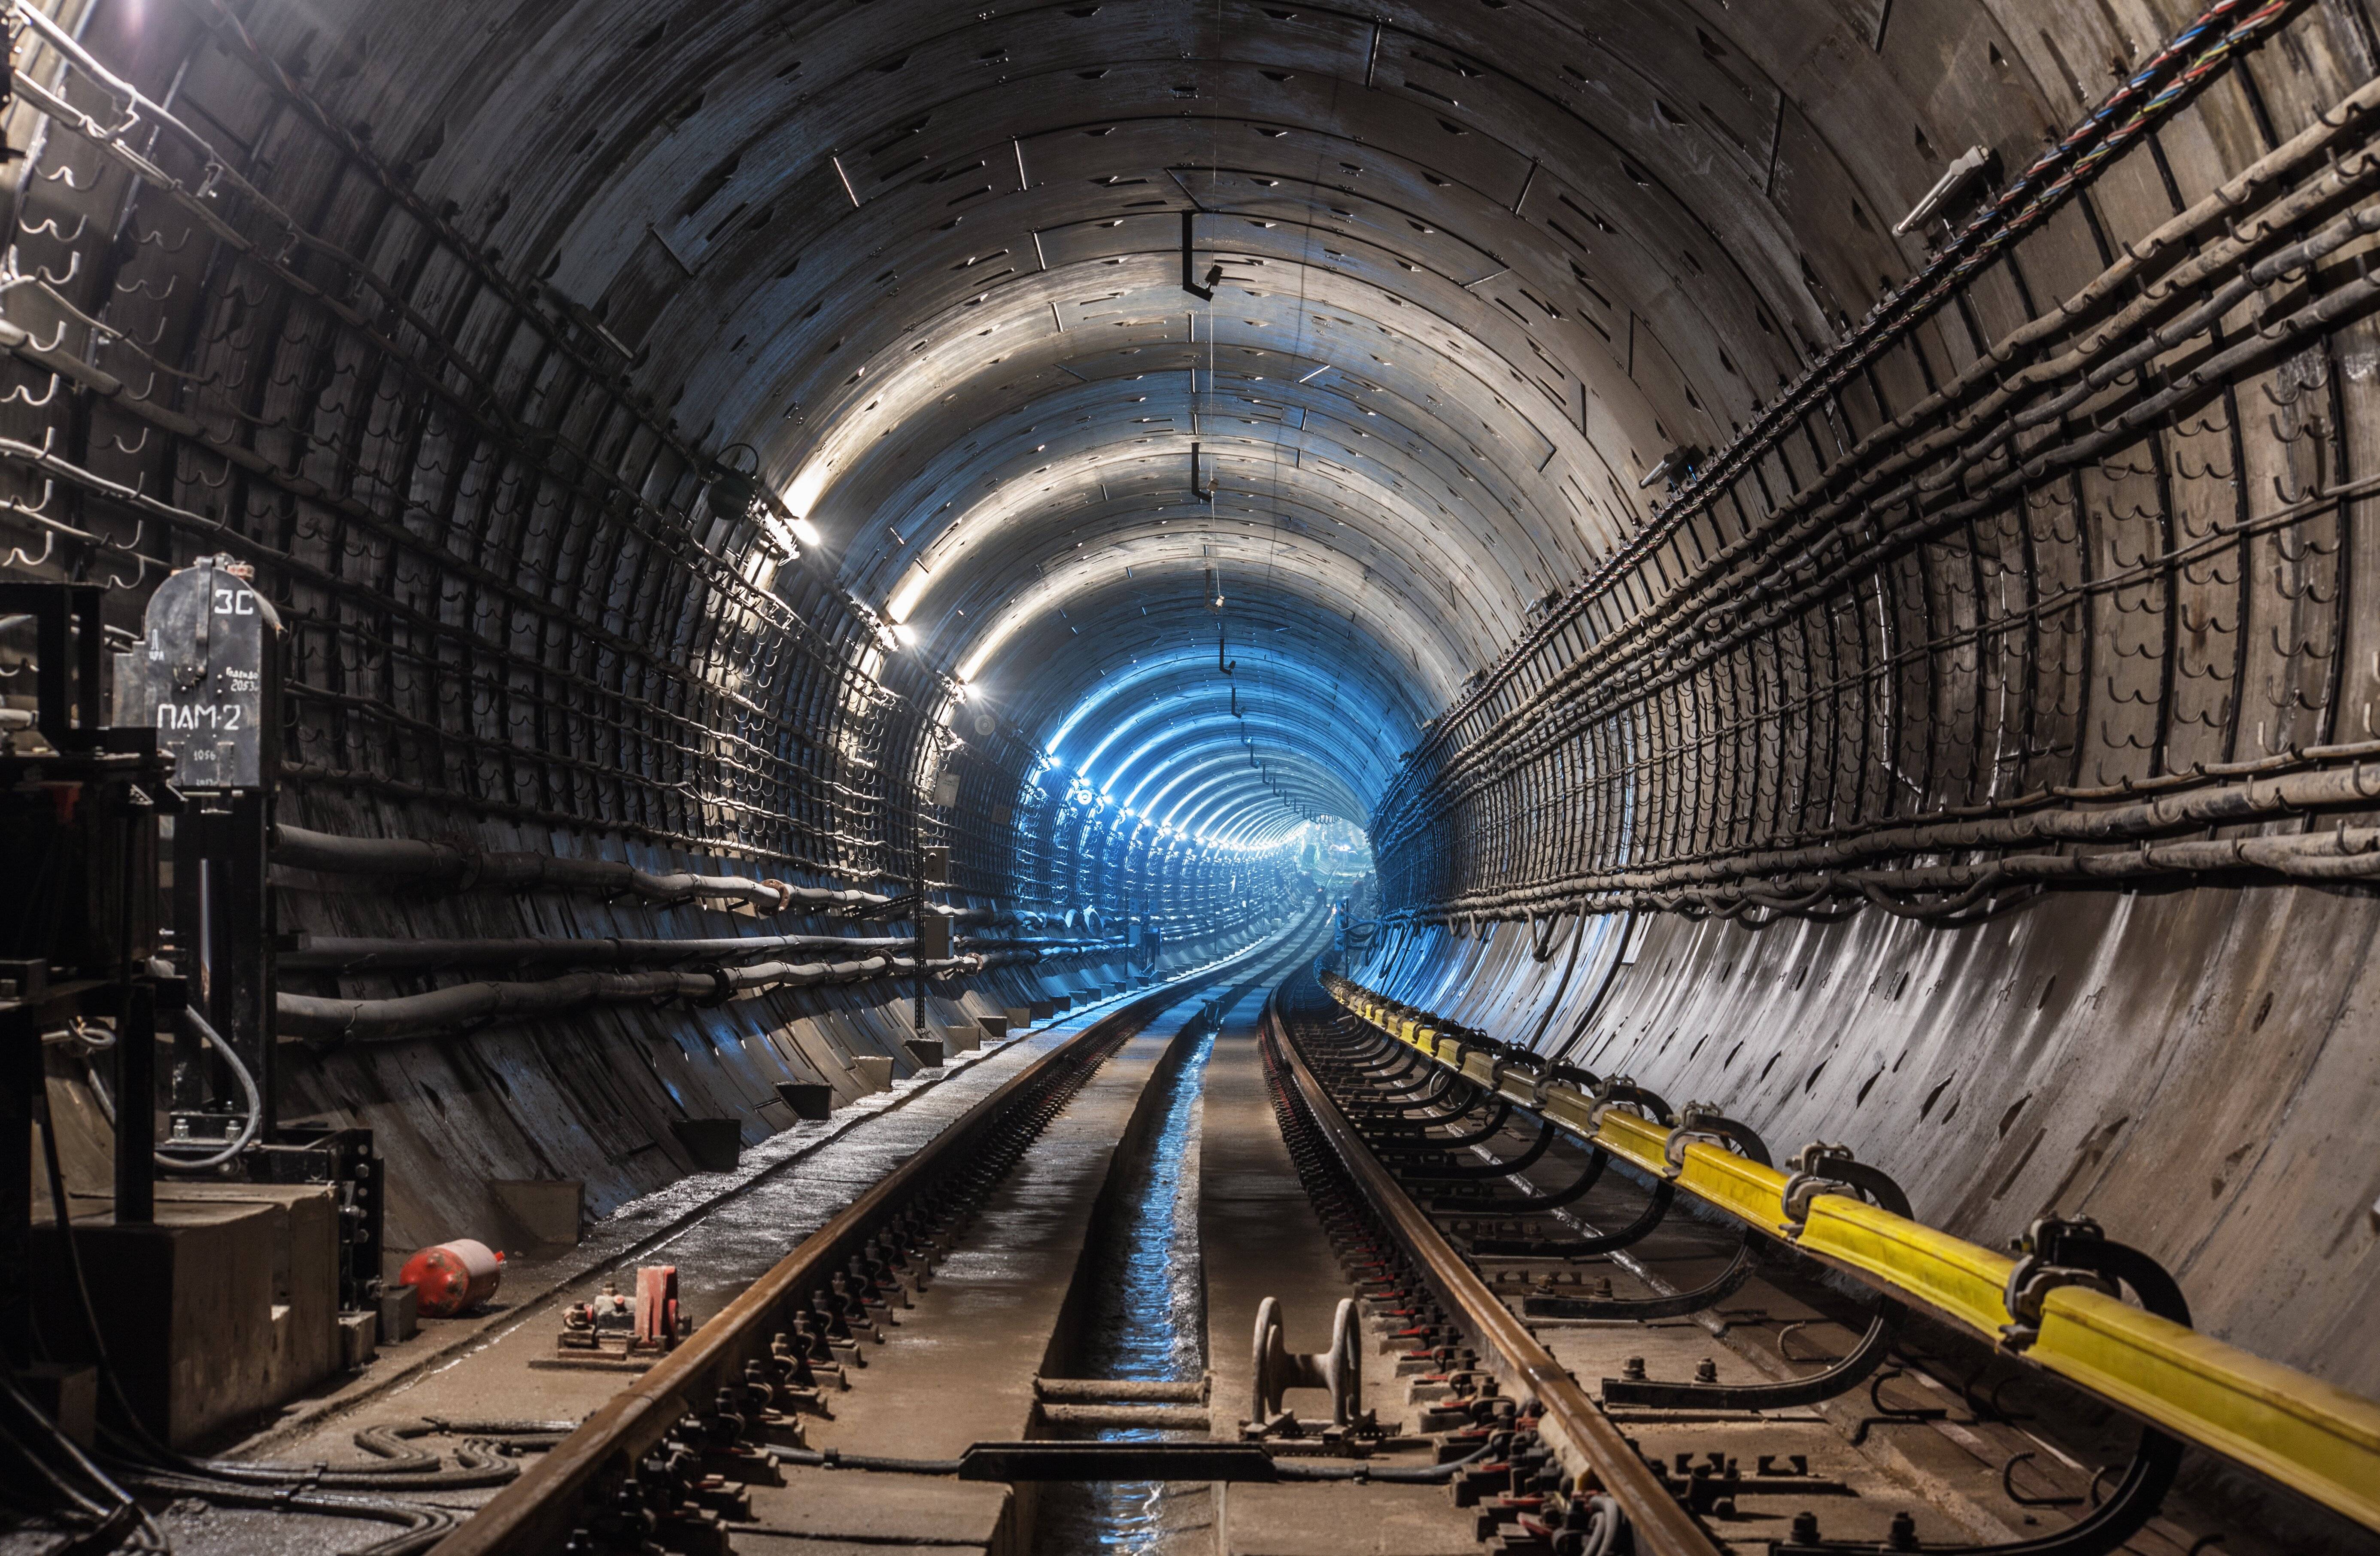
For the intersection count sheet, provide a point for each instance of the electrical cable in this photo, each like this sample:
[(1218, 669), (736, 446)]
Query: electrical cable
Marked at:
[(1394, 1474), (63, 1216), (140, 1460), (199, 1027)]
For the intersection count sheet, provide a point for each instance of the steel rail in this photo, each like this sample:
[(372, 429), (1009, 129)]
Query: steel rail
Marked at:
[(1570, 1421), (536, 1512), (2316, 1439)]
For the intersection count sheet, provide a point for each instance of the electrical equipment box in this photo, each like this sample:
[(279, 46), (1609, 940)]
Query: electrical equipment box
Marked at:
[(205, 677), (934, 865), (934, 937)]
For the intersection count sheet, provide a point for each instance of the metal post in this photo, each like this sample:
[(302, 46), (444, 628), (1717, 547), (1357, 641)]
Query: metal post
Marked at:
[(20, 1070), (207, 677), (918, 1003), (249, 906), (222, 927), (136, 1105)]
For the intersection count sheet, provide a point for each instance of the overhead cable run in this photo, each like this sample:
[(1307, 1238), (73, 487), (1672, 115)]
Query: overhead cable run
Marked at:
[(1891, 676)]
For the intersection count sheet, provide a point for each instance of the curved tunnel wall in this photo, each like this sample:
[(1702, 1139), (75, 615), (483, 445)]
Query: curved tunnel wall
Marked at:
[(2046, 580), (1561, 472), (2193, 1070)]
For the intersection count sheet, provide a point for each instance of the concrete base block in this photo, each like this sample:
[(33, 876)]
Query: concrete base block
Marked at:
[(359, 1339), (1043, 1010), (1019, 1015), (875, 1070), (925, 1051), (809, 1100), (716, 1144), (962, 1039), (994, 1026), (222, 1310), (400, 1314), (67, 1394), (546, 1211)]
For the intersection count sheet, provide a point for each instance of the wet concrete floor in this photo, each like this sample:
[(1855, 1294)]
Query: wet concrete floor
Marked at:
[(1261, 1238), (958, 1366), (721, 1236)]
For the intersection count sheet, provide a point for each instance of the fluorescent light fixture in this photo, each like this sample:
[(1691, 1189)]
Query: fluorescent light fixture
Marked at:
[(803, 495), (972, 666), (904, 598), (905, 635), (805, 531)]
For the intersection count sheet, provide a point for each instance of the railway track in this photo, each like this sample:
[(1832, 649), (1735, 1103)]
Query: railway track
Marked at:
[(912, 1375), (1521, 1343), (1695, 1375), (727, 1436)]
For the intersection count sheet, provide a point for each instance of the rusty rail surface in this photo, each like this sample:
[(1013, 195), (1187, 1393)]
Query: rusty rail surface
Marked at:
[(1571, 1421), (536, 1512)]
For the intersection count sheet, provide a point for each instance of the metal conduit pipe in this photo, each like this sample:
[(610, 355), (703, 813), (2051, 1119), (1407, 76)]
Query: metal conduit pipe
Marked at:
[(2266, 340), (2345, 852), (364, 952), (1892, 321), (1945, 497), (361, 952), (1745, 567), (316, 1017), (449, 864), (457, 868), (412, 1016)]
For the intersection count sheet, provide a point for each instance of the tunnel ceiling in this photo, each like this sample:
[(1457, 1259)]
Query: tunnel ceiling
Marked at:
[(1476, 263), (1573, 472)]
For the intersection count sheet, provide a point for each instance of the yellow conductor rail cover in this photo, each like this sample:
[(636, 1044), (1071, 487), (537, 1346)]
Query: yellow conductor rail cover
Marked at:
[(2320, 1440)]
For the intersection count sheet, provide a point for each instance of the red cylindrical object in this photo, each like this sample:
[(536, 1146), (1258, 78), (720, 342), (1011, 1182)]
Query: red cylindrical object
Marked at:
[(453, 1276)]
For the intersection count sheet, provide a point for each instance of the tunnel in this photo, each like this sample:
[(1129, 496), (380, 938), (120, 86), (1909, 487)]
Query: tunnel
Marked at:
[(617, 618)]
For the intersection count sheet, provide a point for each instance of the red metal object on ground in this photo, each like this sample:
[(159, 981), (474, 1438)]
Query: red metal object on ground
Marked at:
[(656, 1305), (452, 1277)]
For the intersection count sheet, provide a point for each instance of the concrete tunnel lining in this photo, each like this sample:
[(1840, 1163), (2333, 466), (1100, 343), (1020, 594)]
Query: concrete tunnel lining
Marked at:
[(457, 353)]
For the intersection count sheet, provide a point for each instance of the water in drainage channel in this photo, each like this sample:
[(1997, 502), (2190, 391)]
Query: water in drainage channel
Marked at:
[(1143, 1318)]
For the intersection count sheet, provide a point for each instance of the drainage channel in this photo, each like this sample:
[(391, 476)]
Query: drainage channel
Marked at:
[(1142, 1318)]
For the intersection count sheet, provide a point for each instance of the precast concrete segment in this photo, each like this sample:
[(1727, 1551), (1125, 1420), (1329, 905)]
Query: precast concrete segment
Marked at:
[(1259, 1238), (1532, 263)]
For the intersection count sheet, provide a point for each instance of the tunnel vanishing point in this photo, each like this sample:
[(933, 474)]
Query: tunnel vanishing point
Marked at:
[(1771, 600)]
